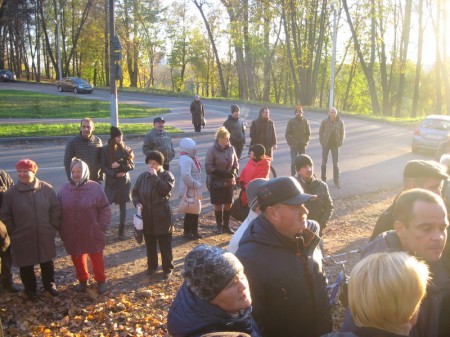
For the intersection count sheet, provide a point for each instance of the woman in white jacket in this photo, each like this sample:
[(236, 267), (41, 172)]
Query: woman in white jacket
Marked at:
[(191, 179)]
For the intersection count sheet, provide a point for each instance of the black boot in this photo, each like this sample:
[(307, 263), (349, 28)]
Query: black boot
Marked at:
[(324, 173), (195, 233), (121, 235), (226, 223), (218, 215), (9, 286)]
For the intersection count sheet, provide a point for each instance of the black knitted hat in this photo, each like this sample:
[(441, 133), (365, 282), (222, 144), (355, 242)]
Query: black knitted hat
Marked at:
[(115, 132)]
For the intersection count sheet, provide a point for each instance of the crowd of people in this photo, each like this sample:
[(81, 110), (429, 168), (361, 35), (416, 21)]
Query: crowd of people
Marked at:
[(271, 279)]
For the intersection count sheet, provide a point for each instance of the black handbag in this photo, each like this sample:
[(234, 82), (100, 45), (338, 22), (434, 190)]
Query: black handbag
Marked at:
[(215, 183), (238, 210)]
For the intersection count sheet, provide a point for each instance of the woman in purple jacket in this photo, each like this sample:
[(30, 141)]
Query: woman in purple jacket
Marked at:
[(86, 217)]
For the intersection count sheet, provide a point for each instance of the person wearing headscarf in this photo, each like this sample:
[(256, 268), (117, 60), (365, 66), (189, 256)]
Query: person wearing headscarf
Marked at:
[(86, 218), (116, 161), (32, 215), (151, 193), (191, 184), (258, 166)]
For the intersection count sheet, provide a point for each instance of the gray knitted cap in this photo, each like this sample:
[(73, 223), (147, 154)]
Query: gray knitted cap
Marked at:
[(207, 270)]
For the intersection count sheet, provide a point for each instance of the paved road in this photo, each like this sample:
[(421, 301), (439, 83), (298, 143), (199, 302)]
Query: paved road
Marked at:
[(372, 157)]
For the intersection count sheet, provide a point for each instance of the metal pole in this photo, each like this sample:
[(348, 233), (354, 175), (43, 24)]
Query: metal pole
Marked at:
[(114, 109), (333, 57)]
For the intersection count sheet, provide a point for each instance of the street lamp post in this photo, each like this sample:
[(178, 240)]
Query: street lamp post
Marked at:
[(333, 56)]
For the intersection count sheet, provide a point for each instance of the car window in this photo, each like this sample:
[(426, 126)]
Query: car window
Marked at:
[(436, 124)]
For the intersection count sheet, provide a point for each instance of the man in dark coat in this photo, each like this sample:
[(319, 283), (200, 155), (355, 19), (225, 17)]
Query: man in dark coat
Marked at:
[(86, 147), (283, 263), (321, 207), (236, 128), (6, 277), (421, 230), (159, 140), (331, 136), (262, 131), (198, 114), (297, 136)]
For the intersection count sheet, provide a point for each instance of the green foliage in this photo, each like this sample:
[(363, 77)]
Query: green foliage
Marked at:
[(25, 104)]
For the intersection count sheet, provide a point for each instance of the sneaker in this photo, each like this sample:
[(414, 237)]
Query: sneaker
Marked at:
[(101, 287), (81, 287)]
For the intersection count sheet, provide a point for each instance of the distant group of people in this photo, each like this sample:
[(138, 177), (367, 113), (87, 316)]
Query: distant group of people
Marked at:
[(271, 280)]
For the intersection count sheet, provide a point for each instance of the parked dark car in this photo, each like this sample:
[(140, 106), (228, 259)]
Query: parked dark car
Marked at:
[(431, 132), (7, 75), (75, 84)]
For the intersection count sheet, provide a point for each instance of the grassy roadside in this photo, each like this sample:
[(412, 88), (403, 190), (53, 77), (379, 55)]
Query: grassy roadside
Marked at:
[(70, 129), (26, 104)]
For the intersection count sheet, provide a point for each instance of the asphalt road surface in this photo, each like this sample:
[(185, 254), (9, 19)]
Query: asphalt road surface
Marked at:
[(371, 159)]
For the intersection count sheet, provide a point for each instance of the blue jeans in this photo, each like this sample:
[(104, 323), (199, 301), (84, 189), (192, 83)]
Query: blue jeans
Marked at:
[(335, 157), (295, 151)]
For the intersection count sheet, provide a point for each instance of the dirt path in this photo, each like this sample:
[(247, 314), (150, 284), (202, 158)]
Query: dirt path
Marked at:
[(137, 304)]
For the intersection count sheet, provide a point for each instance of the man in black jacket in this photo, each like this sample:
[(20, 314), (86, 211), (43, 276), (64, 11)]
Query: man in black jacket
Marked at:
[(86, 147), (236, 128), (283, 264)]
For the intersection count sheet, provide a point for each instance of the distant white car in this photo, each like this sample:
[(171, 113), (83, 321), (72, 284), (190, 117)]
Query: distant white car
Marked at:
[(74, 84), (431, 132)]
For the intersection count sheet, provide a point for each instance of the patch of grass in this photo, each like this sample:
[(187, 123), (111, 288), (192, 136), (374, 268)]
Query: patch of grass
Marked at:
[(71, 129), (26, 104)]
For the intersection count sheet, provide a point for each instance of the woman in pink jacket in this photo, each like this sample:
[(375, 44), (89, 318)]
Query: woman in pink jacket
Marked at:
[(86, 217)]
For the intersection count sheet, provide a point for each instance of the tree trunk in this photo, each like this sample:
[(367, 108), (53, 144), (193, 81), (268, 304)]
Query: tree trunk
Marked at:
[(416, 93)]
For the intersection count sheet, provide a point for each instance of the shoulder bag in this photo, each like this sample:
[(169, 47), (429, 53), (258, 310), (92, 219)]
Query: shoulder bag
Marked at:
[(190, 205)]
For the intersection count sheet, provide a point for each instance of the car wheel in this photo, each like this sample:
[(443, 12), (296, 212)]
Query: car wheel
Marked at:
[(60, 89), (75, 90)]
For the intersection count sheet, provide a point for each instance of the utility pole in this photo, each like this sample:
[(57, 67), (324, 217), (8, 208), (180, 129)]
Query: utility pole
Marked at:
[(114, 109), (333, 57)]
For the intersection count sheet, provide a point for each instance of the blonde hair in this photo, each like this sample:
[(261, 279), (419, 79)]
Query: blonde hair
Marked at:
[(222, 132), (386, 289)]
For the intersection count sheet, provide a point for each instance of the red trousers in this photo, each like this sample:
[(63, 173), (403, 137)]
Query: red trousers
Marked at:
[(98, 266)]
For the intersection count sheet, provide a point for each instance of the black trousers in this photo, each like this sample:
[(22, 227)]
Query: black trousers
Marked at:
[(29, 277), (5, 273), (197, 127), (238, 147), (190, 224), (165, 247)]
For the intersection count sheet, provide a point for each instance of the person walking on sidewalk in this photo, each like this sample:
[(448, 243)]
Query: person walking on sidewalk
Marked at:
[(198, 113), (191, 184), (236, 128), (86, 218), (331, 136), (297, 136), (221, 164), (117, 161)]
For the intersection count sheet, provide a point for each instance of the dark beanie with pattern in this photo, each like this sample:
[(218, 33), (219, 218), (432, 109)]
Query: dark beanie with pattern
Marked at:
[(207, 270)]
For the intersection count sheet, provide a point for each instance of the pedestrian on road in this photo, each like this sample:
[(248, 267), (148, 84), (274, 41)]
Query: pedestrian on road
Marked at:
[(198, 113), (86, 218), (236, 128), (297, 136), (32, 215), (222, 165), (117, 160), (321, 207), (214, 299), (262, 131), (6, 276), (283, 263), (331, 136), (159, 140), (86, 147), (190, 184), (151, 193)]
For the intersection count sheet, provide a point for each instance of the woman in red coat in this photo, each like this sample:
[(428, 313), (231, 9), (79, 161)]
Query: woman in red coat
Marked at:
[(257, 167)]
